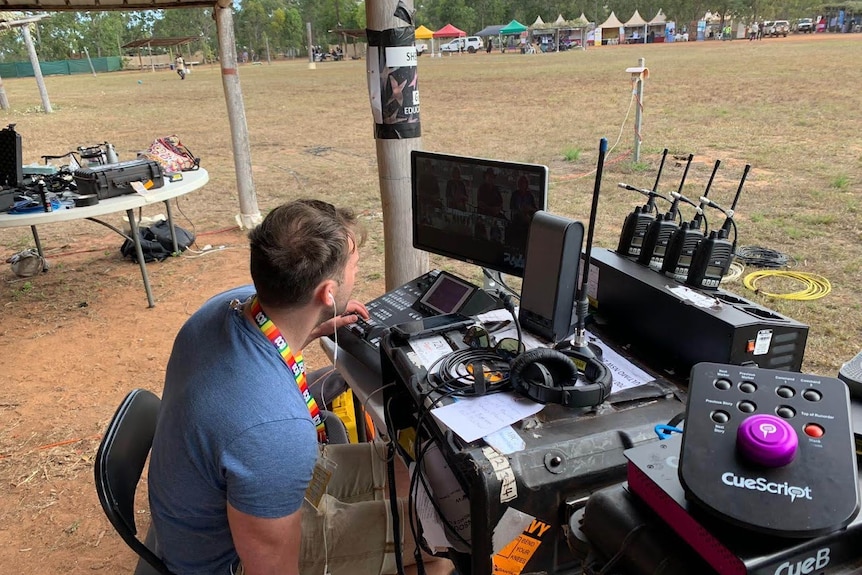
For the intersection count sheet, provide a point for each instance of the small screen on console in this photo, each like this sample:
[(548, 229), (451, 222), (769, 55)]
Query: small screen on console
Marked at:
[(474, 209), (447, 294)]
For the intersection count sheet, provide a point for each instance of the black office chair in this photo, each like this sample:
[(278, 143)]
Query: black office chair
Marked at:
[(119, 464)]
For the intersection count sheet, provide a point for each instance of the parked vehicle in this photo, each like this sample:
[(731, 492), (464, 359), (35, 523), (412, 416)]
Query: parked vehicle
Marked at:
[(778, 28), (421, 48), (469, 44), (805, 25)]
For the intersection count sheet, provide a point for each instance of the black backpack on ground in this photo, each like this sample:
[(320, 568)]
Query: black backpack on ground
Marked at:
[(156, 243)]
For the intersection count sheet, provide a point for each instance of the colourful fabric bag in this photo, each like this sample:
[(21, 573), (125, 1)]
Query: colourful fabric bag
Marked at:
[(172, 155)]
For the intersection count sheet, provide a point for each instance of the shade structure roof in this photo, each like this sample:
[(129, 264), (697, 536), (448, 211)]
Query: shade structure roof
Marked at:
[(423, 33), (560, 20), (490, 30), (449, 31), (83, 5), (513, 27), (611, 22), (538, 21), (160, 42), (636, 20)]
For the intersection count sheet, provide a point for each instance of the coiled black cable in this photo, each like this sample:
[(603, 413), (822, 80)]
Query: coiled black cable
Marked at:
[(761, 257), (457, 377)]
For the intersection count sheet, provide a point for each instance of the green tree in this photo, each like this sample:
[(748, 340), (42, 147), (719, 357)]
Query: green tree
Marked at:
[(197, 22)]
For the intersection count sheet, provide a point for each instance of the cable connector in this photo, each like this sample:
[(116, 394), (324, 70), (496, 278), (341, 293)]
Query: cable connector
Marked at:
[(508, 302)]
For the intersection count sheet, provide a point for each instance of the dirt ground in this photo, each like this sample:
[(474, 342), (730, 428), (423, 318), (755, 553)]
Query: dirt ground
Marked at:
[(76, 339), (63, 377)]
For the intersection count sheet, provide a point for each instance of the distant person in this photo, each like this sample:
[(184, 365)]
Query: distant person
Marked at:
[(180, 66), (522, 207), (490, 45), (489, 200), (456, 191), (428, 189), (753, 31)]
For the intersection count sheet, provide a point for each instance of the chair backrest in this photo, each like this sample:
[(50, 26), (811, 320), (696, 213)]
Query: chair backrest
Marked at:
[(336, 431), (120, 462)]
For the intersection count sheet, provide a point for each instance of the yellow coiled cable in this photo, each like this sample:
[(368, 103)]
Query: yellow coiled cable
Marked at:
[(815, 286)]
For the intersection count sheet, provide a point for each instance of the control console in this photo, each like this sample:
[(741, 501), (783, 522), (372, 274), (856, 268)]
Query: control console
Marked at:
[(770, 451), (433, 293)]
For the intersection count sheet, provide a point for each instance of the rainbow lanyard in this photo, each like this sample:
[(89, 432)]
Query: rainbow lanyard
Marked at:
[(294, 363)]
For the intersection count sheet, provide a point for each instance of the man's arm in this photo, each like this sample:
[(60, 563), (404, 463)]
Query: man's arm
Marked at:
[(266, 546)]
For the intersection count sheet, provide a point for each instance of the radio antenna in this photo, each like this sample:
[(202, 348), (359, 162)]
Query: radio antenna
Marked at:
[(582, 304)]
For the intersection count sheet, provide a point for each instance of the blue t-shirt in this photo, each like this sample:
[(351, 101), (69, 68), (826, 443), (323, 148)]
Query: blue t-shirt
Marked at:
[(233, 428)]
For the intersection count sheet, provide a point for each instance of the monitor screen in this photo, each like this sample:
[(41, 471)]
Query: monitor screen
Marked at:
[(476, 210)]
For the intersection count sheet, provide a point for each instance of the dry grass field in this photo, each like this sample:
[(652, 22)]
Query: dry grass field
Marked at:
[(74, 340)]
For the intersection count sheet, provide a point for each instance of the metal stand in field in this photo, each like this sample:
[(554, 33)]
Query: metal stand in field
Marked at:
[(639, 74)]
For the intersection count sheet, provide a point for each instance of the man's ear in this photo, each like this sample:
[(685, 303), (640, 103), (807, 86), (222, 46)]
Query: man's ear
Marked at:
[(325, 293)]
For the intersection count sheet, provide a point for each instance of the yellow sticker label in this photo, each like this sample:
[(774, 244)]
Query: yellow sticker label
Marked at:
[(512, 558)]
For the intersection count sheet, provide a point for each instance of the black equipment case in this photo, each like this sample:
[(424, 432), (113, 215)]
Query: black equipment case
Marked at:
[(113, 180), (7, 198), (11, 169), (568, 453)]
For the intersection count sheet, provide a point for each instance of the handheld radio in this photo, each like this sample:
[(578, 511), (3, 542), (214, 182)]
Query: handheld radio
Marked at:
[(714, 254), (636, 223), (685, 240), (659, 232)]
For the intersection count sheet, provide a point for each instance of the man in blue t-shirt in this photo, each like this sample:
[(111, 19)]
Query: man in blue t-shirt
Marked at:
[(237, 441)]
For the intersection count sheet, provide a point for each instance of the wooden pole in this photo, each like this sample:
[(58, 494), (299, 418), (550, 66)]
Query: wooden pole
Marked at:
[(37, 69), (249, 215), (395, 138)]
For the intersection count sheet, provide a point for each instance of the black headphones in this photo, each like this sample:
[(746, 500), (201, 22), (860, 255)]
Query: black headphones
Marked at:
[(549, 376)]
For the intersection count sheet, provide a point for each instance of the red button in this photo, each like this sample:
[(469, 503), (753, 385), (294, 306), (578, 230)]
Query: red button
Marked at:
[(813, 430)]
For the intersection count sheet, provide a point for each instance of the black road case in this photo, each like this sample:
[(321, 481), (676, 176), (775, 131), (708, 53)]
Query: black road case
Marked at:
[(113, 180)]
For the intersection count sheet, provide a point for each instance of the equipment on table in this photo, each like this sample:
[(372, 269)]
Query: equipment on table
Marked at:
[(11, 170), (113, 180)]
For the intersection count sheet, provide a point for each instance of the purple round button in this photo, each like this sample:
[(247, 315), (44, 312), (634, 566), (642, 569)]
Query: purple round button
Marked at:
[(767, 440)]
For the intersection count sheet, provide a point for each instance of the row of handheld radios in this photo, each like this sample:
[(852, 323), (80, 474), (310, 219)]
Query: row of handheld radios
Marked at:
[(686, 251)]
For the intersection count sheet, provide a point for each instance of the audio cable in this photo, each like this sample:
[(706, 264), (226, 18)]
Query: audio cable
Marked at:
[(814, 286), (761, 257), (473, 372), (734, 273)]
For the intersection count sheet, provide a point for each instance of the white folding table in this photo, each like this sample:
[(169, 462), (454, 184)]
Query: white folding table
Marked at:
[(191, 181)]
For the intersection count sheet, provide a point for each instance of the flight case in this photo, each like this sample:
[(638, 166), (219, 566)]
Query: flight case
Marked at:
[(568, 454), (111, 180)]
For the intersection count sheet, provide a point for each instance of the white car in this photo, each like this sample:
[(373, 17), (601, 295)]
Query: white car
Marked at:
[(421, 48), (469, 44)]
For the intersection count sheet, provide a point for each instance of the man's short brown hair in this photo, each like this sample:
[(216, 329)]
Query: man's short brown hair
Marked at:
[(298, 245)]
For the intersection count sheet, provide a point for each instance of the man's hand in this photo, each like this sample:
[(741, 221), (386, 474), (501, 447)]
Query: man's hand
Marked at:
[(352, 312)]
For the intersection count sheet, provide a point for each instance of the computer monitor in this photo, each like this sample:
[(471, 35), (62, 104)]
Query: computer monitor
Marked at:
[(475, 209)]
